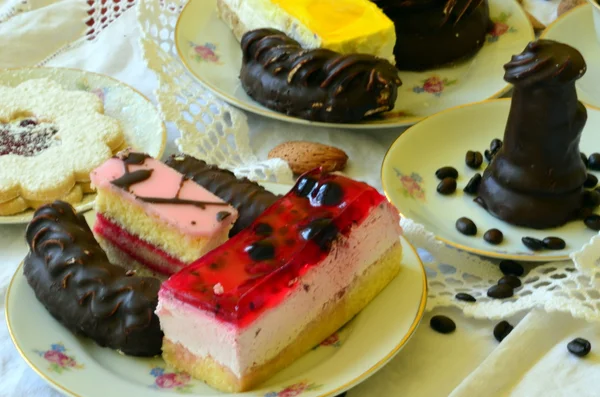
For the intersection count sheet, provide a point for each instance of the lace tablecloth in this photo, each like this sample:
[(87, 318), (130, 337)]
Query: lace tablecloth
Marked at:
[(104, 36)]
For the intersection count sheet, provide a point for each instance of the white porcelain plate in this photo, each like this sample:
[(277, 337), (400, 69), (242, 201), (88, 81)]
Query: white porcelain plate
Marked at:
[(409, 181), (78, 367), (576, 28), (141, 123), (212, 54)]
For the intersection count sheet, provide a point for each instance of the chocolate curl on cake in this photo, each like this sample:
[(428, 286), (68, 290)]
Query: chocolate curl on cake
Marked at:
[(320, 84), (72, 277), (536, 179), (247, 197)]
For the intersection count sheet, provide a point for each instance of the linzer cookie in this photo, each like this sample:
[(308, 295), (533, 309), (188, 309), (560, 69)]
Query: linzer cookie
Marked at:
[(152, 215), (50, 140), (72, 277), (247, 197), (319, 84)]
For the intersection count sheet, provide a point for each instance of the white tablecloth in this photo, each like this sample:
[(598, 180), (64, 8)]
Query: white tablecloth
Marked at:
[(532, 361)]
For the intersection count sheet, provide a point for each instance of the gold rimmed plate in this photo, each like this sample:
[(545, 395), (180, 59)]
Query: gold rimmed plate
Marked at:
[(212, 55), (141, 123), (78, 367), (409, 181)]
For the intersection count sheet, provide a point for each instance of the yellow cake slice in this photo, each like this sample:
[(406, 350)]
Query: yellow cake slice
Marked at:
[(345, 26)]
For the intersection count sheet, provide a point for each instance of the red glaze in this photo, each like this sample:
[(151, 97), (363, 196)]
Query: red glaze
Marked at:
[(283, 256), (25, 138)]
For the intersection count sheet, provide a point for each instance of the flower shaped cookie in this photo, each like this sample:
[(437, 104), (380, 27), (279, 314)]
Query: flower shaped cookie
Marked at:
[(50, 141)]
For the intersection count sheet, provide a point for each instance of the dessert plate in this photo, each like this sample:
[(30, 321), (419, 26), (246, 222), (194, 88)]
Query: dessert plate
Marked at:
[(211, 53), (78, 367), (409, 181), (576, 28), (141, 122)]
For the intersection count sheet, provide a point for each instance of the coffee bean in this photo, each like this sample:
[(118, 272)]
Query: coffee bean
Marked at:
[(500, 291), (591, 181), (462, 296), (511, 268), (591, 198), (594, 162), (513, 281), (473, 159), (584, 159), (493, 236), (447, 186), (533, 243), (446, 172), (442, 324), (593, 222), (466, 226), (473, 185), (501, 330), (579, 347), (554, 243), (489, 156), (495, 145)]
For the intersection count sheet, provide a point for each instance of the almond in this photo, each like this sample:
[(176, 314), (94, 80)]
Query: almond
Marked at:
[(567, 5), (304, 156)]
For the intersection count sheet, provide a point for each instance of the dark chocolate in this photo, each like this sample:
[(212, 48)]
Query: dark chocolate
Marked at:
[(247, 197), (432, 33), (318, 85), (536, 178), (72, 277)]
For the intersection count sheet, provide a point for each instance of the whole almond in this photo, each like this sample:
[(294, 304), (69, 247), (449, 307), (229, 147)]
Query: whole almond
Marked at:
[(567, 5), (304, 156)]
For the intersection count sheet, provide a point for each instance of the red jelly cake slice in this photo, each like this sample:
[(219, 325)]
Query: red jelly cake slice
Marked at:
[(152, 215), (303, 269)]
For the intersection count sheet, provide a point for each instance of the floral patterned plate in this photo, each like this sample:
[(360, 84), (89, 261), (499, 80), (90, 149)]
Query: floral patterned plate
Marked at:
[(576, 28), (141, 122), (409, 181), (212, 54), (78, 367)]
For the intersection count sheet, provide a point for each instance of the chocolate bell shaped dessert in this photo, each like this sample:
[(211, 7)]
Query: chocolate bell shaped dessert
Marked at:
[(536, 179)]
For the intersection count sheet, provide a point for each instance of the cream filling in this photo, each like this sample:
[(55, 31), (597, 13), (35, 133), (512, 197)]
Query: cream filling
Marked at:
[(241, 349)]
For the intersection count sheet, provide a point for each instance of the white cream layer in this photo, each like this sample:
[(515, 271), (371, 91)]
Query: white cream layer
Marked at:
[(241, 349)]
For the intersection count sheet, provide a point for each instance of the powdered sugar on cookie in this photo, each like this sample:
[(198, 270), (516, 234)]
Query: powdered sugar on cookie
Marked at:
[(51, 139)]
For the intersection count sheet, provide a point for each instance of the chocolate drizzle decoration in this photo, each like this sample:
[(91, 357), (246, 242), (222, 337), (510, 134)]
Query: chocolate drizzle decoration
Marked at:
[(317, 84), (247, 197), (72, 277), (130, 178)]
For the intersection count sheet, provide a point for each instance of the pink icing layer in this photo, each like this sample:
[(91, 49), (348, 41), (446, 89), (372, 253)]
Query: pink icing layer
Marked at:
[(141, 251), (166, 183)]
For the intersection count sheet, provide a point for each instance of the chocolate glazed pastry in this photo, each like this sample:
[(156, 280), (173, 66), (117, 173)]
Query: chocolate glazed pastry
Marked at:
[(247, 197), (431, 33), (318, 85), (536, 179), (72, 278)]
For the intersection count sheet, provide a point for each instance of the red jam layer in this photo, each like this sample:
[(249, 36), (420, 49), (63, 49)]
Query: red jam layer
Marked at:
[(257, 268), (137, 248)]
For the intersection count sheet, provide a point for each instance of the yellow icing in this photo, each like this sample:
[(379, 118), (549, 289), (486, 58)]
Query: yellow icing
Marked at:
[(338, 21)]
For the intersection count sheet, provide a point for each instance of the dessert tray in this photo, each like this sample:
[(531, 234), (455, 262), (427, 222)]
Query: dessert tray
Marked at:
[(78, 367), (576, 28), (141, 123), (211, 53), (409, 181)]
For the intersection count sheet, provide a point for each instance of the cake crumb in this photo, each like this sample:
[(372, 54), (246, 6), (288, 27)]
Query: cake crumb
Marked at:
[(218, 289)]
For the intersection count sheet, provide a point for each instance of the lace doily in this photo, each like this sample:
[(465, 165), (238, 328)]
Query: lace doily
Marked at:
[(215, 131)]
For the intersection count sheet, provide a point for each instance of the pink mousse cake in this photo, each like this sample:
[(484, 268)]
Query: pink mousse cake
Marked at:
[(304, 268), (151, 215)]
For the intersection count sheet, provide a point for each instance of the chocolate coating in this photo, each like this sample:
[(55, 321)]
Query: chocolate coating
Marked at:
[(431, 33), (318, 85), (247, 197), (72, 277), (536, 178)]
